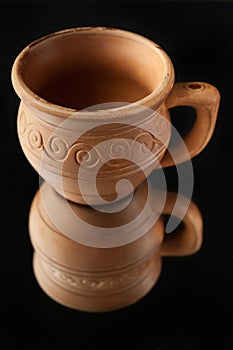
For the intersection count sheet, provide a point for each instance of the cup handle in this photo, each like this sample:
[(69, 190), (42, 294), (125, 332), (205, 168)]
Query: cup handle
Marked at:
[(205, 98), (187, 240)]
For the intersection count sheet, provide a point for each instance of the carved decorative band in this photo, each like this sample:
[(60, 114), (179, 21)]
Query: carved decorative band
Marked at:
[(96, 283), (57, 148)]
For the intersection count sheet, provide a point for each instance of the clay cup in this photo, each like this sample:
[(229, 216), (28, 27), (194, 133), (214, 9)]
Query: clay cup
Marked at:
[(95, 109)]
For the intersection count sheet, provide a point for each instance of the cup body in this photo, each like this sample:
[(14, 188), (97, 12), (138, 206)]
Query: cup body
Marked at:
[(86, 87)]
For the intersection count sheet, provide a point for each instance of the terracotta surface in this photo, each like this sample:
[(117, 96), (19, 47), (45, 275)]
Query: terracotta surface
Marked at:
[(103, 279), (68, 141), (58, 75)]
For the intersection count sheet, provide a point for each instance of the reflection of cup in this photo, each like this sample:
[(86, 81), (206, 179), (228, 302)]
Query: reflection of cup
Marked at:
[(102, 279), (64, 72)]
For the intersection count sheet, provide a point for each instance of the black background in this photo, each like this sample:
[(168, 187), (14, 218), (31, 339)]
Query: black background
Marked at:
[(191, 307)]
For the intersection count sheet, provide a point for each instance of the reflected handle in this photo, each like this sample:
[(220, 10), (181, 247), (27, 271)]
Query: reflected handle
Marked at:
[(205, 99), (187, 240)]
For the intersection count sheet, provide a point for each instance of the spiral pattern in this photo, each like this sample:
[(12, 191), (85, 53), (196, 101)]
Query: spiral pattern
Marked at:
[(147, 142), (35, 139), (89, 158), (57, 148), (117, 153), (119, 149)]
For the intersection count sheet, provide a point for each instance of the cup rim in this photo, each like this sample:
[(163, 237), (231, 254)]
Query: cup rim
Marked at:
[(155, 98)]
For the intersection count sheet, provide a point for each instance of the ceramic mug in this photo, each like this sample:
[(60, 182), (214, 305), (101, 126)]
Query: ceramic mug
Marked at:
[(102, 279), (61, 75)]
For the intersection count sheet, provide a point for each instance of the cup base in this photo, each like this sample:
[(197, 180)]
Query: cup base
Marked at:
[(61, 287)]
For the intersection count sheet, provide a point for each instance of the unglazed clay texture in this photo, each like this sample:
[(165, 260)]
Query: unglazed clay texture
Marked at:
[(103, 279), (95, 110), (37, 142), (50, 142)]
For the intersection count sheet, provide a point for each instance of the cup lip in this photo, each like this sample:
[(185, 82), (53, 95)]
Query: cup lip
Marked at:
[(155, 98)]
